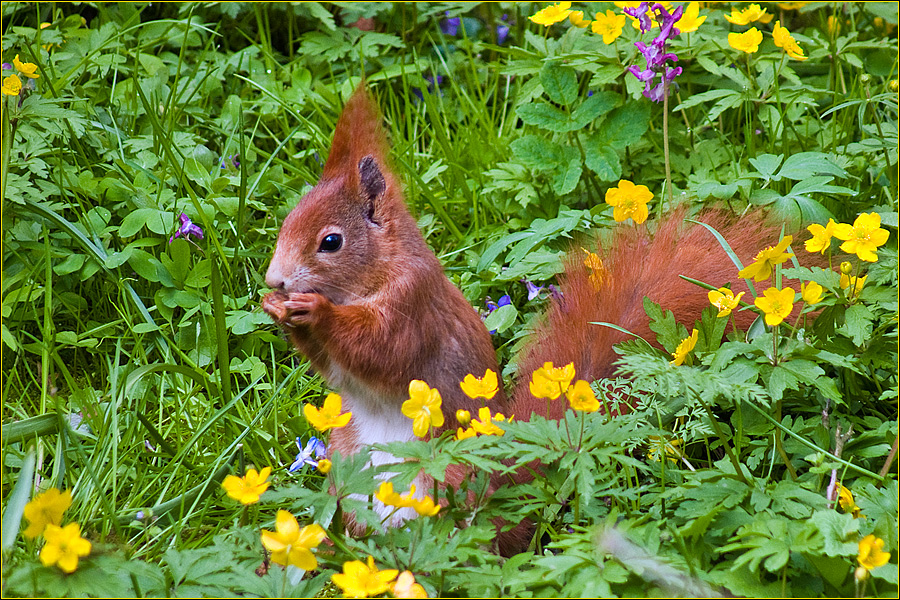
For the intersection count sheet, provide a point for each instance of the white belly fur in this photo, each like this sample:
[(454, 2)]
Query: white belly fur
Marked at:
[(376, 420)]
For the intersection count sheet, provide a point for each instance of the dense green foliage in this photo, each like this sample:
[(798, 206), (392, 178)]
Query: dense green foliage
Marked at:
[(138, 369)]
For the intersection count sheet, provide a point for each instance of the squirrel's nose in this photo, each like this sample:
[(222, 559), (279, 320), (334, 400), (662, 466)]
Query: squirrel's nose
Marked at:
[(274, 278)]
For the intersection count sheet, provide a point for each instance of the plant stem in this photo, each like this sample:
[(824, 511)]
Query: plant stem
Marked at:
[(666, 139)]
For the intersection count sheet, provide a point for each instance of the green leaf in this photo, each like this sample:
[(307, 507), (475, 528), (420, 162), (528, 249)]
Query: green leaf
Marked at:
[(157, 221), (21, 493), (501, 319), (668, 331), (602, 158), (857, 323), (546, 116), (625, 125), (840, 532), (766, 165), (559, 83), (566, 179), (598, 104), (804, 165)]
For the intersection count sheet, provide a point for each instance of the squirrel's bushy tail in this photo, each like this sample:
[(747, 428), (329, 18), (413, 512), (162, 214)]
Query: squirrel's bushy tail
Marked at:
[(637, 263)]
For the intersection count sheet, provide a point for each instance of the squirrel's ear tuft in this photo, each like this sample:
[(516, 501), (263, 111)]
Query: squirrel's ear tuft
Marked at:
[(358, 134)]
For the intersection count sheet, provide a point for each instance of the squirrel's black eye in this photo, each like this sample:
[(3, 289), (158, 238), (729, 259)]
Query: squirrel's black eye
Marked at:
[(331, 243)]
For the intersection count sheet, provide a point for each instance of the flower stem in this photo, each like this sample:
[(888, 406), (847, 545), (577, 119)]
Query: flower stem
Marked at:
[(666, 139)]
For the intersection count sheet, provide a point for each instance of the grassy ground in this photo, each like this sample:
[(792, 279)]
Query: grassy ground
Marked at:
[(138, 369)]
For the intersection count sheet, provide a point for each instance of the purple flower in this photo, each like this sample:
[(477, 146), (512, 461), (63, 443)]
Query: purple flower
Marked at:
[(654, 53), (640, 13), (533, 290), (502, 31), (309, 455), (187, 229), (6, 66), (450, 25), (432, 82), (233, 159)]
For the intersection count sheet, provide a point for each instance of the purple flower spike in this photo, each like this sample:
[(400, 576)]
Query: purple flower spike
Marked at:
[(450, 25), (187, 229), (655, 55)]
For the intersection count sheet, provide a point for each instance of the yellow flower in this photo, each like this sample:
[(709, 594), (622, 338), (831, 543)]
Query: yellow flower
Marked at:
[(725, 300), (684, 348), (863, 237), (845, 499), (691, 18), (64, 546), (389, 497), (749, 15), (821, 237), (324, 466), (858, 285), (361, 580), (550, 382), (608, 25), (406, 587), (791, 5), (423, 407), (582, 397), (462, 434), (12, 85), (811, 292), (486, 387), (576, 18), (871, 554), (834, 26), (328, 416), (599, 273), (629, 201), (426, 507), (552, 14), (249, 488), (784, 40), (765, 260), (46, 509), (27, 69), (776, 304), (291, 545), (748, 41), (667, 446), (463, 417), (485, 423)]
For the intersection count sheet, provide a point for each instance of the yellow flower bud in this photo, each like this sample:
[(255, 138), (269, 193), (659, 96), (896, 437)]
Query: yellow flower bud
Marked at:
[(894, 85), (846, 267), (463, 417)]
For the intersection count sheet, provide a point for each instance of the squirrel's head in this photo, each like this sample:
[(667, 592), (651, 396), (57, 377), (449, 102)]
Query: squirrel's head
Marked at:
[(337, 240)]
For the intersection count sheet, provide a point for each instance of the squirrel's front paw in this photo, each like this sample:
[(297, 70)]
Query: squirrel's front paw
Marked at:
[(273, 305), (303, 309)]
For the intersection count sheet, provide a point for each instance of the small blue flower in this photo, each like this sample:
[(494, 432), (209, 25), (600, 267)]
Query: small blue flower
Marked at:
[(502, 31), (187, 229), (310, 455), (450, 25), (533, 290)]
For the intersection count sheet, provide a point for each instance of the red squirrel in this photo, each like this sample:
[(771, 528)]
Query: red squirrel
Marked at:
[(367, 302), (364, 298)]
